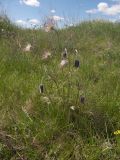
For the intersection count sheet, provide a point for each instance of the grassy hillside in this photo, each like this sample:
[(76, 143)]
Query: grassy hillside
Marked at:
[(77, 114)]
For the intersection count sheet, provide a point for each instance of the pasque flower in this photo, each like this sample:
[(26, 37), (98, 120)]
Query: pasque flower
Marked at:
[(63, 62), (41, 88), (77, 63), (27, 48), (65, 53)]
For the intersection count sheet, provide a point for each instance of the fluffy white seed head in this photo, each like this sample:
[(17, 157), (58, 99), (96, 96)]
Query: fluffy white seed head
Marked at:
[(72, 108), (63, 63), (46, 55), (28, 47)]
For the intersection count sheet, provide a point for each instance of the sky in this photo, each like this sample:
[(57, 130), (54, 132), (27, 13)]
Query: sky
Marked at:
[(29, 13)]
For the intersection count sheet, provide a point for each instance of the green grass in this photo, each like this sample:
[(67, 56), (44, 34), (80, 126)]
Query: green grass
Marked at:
[(38, 126)]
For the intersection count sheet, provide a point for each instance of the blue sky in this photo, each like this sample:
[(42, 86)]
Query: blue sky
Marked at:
[(27, 12)]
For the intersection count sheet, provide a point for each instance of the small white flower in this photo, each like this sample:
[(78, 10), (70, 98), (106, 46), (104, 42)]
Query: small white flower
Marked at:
[(72, 108), (28, 47), (63, 63), (2, 30)]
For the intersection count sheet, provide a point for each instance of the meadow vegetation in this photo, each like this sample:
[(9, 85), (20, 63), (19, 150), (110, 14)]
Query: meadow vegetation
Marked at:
[(76, 114)]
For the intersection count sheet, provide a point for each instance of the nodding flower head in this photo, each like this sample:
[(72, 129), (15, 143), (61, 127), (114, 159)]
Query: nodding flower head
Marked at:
[(82, 99), (77, 63), (65, 50), (41, 88), (65, 53), (76, 51)]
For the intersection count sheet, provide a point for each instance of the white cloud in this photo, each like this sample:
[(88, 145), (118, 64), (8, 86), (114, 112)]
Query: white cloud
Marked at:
[(104, 8), (27, 23), (52, 11), (34, 21), (113, 10), (20, 22), (92, 11), (57, 18), (33, 3)]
